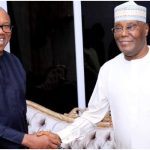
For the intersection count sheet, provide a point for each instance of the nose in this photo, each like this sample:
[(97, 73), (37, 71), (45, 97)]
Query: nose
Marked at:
[(124, 32)]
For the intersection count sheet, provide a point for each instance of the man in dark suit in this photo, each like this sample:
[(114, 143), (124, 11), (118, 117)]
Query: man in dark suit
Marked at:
[(13, 124)]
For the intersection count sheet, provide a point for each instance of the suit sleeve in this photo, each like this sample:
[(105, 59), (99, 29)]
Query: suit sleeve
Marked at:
[(11, 135)]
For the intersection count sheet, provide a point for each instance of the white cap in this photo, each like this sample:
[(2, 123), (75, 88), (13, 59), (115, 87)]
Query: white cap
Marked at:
[(130, 11)]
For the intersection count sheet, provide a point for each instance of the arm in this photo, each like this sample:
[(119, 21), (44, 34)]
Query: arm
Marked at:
[(97, 108), (28, 140), (10, 134)]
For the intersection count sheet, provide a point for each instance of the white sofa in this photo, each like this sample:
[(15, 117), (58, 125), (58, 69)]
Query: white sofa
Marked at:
[(40, 118)]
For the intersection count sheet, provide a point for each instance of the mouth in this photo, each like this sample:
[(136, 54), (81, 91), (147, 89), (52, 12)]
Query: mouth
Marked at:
[(2, 41), (124, 43)]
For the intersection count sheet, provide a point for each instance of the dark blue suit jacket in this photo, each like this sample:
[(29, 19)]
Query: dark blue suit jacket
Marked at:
[(13, 124)]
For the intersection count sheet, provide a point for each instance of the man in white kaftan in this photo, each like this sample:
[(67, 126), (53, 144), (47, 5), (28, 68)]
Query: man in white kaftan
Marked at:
[(123, 85)]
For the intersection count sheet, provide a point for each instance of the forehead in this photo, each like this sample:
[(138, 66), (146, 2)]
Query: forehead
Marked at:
[(124, 23), (4, 17)]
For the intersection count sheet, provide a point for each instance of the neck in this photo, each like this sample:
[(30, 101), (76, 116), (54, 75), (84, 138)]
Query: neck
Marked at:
[(1, 52), (140, 55)]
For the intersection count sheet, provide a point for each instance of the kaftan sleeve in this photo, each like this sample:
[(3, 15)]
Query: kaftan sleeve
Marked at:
[(97, 108)]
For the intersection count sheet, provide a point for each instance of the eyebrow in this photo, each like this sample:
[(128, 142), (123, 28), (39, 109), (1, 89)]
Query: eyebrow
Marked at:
[(6, 23), (128, 23)]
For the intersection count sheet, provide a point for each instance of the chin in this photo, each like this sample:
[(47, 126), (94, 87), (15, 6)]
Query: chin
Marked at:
[(127, 49), (128, 53)]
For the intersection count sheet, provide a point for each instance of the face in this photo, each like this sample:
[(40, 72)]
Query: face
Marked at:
[(4, 37), (130, 37)]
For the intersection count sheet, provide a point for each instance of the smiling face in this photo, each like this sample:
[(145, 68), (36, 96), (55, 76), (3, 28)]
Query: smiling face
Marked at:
[(4, 37), (130, 37)]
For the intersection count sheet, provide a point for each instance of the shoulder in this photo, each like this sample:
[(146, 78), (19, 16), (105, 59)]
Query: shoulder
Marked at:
[(113, 62), (10, 55), (12, 58), (113, 65), (13, 61)]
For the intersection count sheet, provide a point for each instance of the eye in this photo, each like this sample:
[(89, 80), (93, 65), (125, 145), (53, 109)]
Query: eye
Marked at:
[(131, 27), (117, 29), (7, 28)]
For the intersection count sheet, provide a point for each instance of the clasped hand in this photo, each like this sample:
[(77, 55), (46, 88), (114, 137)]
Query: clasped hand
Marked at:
[(55, 140), (42, 140)]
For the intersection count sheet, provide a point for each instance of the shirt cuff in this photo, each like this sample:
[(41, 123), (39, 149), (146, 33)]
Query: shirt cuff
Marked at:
[(76, 130)]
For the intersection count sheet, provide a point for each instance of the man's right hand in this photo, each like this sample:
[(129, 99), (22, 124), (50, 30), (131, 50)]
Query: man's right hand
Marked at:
[(42, 141)]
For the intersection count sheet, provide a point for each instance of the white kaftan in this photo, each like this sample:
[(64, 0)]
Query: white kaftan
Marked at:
[(124, 88)]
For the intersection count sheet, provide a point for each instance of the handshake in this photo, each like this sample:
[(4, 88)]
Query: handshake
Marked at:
[(42, 140)]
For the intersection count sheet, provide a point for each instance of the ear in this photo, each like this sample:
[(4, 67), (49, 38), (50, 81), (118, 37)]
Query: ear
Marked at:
[(146, 29)]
